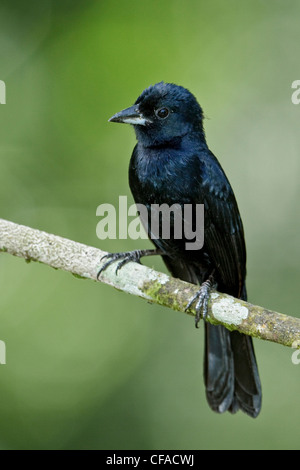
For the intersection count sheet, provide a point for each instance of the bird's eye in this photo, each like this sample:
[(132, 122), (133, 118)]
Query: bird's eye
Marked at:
[(162, 113)]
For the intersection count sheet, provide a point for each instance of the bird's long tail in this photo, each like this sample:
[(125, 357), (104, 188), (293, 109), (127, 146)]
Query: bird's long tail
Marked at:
[(230, 370)]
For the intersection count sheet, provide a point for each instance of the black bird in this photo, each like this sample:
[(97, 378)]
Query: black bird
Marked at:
[(172, 164)]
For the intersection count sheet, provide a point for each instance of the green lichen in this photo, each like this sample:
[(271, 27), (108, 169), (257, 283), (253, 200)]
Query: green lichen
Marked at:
[(158, 293), (167, 293), (78, 276)]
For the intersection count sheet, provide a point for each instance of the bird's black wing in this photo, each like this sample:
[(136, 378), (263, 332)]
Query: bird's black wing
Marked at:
[(230, 368), (224, 235)]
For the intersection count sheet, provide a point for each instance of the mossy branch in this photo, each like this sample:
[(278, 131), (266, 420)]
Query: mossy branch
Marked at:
[(84, 261)]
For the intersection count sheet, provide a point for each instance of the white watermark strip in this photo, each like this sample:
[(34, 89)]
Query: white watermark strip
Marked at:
[(296, 95), (2, 352), (160, 221), (2, 92)]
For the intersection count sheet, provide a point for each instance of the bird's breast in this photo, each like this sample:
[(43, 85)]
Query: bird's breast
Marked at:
[(163, 176)]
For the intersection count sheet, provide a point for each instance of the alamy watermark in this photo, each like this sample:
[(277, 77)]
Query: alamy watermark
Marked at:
[(178, 222), (296, 95), (296, 354), (2, 92), (2, 352)]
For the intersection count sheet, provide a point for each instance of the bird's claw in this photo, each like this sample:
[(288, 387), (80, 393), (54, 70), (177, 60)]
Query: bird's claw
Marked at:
[(124, 258), (201, 297)]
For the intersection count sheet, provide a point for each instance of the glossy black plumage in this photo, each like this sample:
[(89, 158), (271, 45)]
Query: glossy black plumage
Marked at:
[(172, 163)]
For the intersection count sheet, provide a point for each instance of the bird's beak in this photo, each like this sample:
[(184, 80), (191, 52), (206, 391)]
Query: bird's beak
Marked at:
[(130, 115)]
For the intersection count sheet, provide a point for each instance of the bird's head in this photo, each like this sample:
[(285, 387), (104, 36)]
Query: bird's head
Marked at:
[(163, 113)]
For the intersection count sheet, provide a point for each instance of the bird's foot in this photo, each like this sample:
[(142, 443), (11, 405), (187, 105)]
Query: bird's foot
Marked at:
[(124, 258), (201, 297)]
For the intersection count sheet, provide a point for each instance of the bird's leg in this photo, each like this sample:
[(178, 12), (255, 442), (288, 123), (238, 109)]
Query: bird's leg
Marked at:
[(202, 297), (125, 257)]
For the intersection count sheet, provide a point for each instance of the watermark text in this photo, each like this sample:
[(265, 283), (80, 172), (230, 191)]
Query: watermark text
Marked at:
[(296, 354), (296, 95), (2, 352), (159, 221), (2, 92)]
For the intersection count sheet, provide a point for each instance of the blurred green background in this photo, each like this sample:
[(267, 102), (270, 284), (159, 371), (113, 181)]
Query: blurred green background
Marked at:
[(87, 366)]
